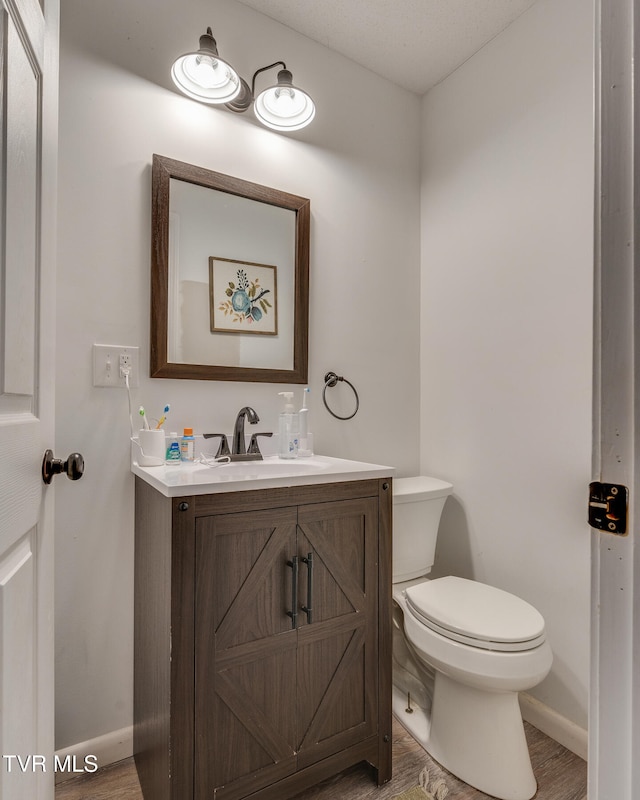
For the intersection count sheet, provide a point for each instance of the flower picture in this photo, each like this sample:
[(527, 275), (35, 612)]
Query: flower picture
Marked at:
[(243, 296)]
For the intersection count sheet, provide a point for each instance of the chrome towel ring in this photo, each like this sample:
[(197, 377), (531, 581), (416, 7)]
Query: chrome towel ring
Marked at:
[(331, 380)]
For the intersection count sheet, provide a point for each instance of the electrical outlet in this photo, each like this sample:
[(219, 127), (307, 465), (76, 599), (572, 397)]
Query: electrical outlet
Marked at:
[(110, 363), (125, 364)]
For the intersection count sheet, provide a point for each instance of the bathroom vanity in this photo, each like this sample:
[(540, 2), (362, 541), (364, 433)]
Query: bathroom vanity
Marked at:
[(262, 627)]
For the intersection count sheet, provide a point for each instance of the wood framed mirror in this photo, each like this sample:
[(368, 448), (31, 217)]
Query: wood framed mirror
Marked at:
[(229, 277)]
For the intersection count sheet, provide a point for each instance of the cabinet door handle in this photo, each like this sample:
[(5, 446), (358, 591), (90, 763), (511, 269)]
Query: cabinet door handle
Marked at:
[(308, 609), (294, 591)]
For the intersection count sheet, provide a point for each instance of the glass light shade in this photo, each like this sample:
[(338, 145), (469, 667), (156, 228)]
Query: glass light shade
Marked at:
[(204, 75), (284, 107)]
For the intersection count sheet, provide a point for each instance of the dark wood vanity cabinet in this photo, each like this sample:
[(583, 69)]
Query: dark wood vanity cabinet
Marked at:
[(262, 639)]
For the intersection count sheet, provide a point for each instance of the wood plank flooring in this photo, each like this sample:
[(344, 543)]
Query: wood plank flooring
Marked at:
[(561, 775)]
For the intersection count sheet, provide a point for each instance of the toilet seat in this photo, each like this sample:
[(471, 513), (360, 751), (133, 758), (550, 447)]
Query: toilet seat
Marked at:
[(475, 614)]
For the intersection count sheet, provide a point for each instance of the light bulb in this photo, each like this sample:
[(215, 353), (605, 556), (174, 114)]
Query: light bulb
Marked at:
[(207, 72)]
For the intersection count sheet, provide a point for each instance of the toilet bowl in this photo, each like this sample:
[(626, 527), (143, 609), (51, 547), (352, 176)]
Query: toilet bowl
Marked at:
[(463, 650)]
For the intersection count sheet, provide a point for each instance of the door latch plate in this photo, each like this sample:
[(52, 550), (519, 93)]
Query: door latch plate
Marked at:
[(608, 503)]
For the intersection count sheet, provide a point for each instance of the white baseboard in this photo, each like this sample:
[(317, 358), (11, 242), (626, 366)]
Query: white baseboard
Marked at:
[(115, 746), (559, 728), (106, 749)]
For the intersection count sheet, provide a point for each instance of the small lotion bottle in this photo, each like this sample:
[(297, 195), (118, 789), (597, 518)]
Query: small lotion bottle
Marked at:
[(173, 449), (187, 445)]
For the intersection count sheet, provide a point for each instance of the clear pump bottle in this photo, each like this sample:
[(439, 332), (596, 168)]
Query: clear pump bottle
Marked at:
[(305, 441), (288, 428)]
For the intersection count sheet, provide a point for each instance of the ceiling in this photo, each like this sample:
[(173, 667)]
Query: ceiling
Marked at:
[(413, 43)]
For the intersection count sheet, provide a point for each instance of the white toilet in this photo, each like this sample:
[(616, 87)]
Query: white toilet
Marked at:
[(462, 651)]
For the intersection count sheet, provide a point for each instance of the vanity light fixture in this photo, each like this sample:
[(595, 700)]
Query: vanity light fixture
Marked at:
[(204, 76)]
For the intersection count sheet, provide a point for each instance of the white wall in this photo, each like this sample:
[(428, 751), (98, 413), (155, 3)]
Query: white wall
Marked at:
[(359, 167), (507, 199)]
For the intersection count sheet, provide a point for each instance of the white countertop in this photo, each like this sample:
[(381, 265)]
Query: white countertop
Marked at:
[(272, 473)]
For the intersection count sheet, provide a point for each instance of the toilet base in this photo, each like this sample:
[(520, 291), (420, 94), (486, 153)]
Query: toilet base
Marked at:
[(476, 735)]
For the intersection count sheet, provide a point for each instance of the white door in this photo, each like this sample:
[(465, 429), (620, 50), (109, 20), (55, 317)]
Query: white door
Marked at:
[(28, 155), (614, 718)]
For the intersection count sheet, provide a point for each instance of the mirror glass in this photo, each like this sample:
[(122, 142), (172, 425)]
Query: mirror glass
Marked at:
[(229, 278)]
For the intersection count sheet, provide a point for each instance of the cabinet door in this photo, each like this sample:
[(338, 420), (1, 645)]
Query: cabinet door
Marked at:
[(245, 721), (337, 662)]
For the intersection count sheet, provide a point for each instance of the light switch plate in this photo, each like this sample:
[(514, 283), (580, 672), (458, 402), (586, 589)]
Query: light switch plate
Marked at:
[(106, 365)]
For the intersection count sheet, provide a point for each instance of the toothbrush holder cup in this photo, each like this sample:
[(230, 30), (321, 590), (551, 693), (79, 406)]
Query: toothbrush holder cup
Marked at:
[(151, 448)]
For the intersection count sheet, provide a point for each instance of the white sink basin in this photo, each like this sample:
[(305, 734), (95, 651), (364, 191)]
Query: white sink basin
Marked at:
[(270, 467)]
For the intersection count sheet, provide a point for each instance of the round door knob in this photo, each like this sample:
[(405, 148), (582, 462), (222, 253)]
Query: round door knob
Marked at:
[(73, 467)]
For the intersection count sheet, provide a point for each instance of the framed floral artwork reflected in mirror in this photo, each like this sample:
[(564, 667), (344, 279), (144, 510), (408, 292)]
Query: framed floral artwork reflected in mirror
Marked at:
[(243, 297)]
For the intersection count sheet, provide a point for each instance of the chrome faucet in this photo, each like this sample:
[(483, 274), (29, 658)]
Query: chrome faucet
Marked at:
[(239, 447)]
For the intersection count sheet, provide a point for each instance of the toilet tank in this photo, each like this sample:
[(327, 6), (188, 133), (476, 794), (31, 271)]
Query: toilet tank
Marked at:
[(417, 507)]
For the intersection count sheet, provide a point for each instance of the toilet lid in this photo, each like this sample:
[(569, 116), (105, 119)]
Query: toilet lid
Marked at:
[(476, 614)]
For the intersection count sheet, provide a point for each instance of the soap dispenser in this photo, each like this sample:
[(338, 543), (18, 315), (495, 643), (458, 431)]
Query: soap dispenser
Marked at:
[(288, 428)]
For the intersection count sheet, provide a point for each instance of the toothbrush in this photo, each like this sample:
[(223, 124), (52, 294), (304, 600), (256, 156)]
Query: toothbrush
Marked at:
[(144, 418), (163, 418)]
